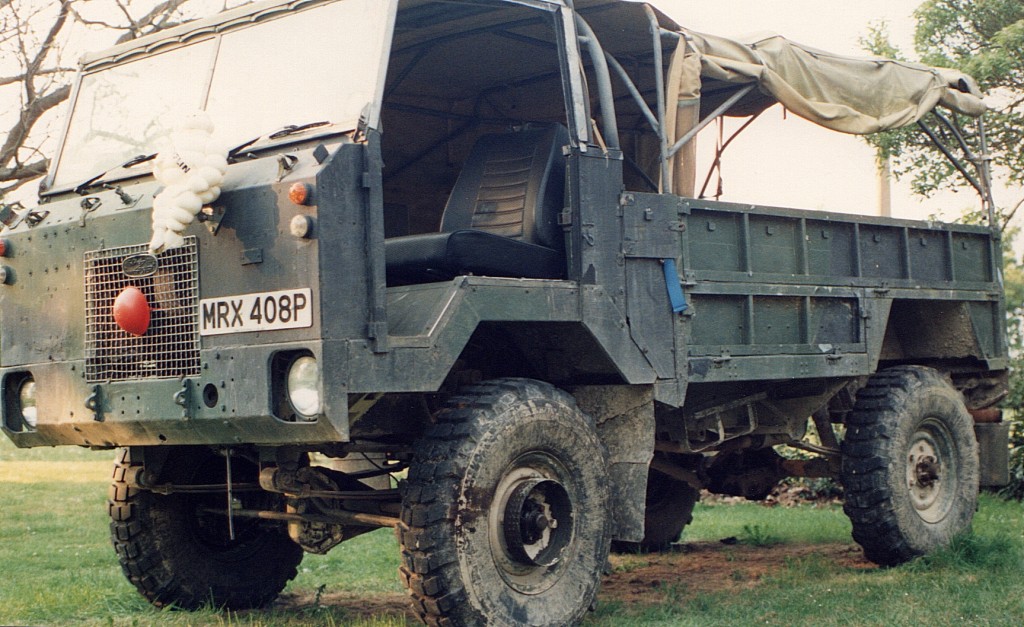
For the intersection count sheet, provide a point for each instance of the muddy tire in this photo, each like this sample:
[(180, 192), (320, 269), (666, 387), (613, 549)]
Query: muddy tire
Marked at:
[(505, 517), (909, 465), (177, 555), (669, 508)]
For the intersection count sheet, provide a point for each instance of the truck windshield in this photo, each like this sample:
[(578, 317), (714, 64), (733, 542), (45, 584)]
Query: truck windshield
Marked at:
[(323, 63)]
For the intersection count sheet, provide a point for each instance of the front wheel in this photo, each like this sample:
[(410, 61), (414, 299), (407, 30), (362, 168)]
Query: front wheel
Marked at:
[(177, 552), (909, 465), (505, 517)]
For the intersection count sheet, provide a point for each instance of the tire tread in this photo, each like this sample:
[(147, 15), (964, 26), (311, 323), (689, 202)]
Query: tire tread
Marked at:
[(137, 543), (429, 565)]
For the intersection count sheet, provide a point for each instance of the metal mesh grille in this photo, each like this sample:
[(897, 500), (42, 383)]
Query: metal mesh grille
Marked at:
[(170, 347)]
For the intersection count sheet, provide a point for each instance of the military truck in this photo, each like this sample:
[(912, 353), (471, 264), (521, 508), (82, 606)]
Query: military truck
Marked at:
[(454, 279)]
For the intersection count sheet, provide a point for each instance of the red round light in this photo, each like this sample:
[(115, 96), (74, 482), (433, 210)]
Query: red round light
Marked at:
[(3, 248), (131, 311)]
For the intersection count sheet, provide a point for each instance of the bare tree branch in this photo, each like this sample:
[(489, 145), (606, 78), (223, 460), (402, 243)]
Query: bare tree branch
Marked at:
[(87, 22), (30, 40), (1010, 214), (157, 19), (51, 36), (26, 171), (133, 26), (35, 104), (29, 116), (10, 80)]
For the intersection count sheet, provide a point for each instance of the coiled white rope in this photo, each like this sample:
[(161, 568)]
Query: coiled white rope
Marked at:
[(192, 170)]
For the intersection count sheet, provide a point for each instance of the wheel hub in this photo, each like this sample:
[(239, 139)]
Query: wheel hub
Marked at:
[(927, 470), (930, 471), (530, 523)]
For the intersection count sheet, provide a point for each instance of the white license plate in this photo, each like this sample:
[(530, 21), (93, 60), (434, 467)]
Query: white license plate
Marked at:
[(266, 311)]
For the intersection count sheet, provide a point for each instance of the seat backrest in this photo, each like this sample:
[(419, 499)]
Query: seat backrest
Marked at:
[(512, 185)]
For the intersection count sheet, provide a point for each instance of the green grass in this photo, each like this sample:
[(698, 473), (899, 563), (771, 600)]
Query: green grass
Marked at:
[(943, 590), (9, 452), (59, 569), (976, 581), (757, 525)]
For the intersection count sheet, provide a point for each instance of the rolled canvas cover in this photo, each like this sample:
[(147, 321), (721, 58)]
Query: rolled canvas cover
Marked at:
[(847, 94)]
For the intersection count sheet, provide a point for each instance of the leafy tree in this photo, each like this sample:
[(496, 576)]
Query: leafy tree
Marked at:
[(985, 39)]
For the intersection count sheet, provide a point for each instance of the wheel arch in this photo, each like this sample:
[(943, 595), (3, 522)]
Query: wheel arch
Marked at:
[(561, 353), (942, 333)]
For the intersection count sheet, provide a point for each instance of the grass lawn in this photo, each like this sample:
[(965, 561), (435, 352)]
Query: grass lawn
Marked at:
[(794, 566), (977, 581)]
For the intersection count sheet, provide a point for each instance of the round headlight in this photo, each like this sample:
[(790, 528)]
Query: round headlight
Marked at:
[(304, 386), (27, 402)]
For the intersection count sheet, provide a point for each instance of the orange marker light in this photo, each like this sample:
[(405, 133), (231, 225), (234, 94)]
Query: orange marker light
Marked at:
[(131, 311), (300, 193)]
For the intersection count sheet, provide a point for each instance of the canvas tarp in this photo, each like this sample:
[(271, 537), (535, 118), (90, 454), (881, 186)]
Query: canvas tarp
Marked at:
[(847, 94)]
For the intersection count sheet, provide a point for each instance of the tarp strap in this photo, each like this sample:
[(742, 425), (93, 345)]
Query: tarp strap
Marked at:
[(675, 290)]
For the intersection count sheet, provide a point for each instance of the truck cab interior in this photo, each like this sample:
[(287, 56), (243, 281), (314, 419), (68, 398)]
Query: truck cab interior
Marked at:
[(473, 126)]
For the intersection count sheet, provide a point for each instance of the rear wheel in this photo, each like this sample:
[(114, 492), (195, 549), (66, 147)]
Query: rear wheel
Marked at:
[(178, 553), (910, 465), (505, 516)]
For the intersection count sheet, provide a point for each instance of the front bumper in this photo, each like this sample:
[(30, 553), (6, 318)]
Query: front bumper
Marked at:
[(237, 398)]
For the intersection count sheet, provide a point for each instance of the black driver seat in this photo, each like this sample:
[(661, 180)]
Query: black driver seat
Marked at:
[(501, 218)]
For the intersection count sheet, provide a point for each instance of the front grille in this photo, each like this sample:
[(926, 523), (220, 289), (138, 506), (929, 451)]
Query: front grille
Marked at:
[(170, 347)]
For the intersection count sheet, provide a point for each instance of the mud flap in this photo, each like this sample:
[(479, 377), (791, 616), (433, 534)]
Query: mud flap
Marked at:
[(993, 453), (625, 423)]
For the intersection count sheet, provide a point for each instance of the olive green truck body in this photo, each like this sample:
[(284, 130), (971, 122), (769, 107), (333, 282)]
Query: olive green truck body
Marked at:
[(691, 335), (777, 300)]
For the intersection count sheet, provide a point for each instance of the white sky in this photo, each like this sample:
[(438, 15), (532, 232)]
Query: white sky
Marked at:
[(792, 162)]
